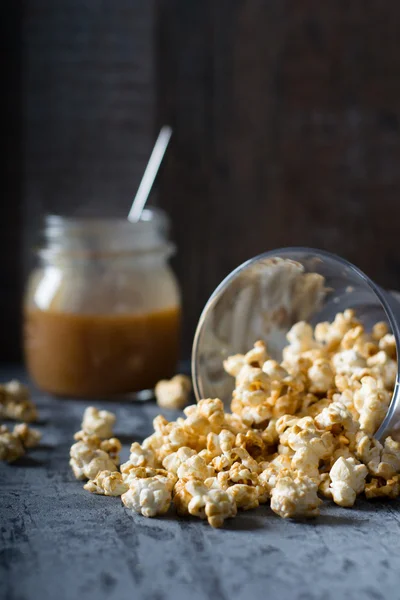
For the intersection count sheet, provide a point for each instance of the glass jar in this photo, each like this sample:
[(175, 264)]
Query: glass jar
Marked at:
[(265, 296), (102, 309)]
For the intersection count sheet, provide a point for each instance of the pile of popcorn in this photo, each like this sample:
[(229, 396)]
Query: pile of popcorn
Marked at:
[(16, 405), (298, 430)]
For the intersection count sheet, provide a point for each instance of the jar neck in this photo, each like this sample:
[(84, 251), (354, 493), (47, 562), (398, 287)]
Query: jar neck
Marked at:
[(82, 240)]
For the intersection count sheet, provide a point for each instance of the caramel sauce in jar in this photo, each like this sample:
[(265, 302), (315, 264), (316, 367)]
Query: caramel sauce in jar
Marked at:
[(102, 307), (94, 355)]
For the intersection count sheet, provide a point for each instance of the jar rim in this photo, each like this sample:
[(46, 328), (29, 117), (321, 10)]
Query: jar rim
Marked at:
[(102, 236), (150, 218)]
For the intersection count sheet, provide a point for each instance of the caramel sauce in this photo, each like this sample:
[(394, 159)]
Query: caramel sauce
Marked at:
[(96, 355)]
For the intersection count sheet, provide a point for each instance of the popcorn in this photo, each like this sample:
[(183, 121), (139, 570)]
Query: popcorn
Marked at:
[(306, 461), (107, 483), (371, 403), (336, 418), (173, 393), (112, 447), (13, 444), (257, 356), (275, 372), (388, 344), (233, 364), (295, 495), (382, 460), (252, 441), (297, 428), (88, 459), (173, 461), (331, 334), (195, 467), (321, 376), (379, 488), (348, 361), (28, 436), (11, 447), (98, 422), (384, 367), (269, 475), (347, 480), (324, 486), (15, 403), (141, 457), (195, 498), (379, 331), (132, 473), (149, 496), (244, 496)]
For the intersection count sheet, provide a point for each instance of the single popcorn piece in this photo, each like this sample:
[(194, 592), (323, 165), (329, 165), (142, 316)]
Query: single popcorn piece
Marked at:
[(15, 403), (388, 344), (107, 483), (384, 367), (87, 458), (195, 498), (306, 462), (233, 364), (331, 334), (379, 330), (98, 422), (347, 362), (379, 488), (100, 461), (195, 467), (11, 447), (324, 487), (390, 459), (257, 356), (275, 372), (294, 496), (173, 461), (221, 442), (134, 473), (336, 418), (173, 393), (271, 471), (383, 461), (371, 403), (244, 496), (347, 480), (149, 496), (301, 337), (141, 457), (13, 444), (28, 436), (113, 447), (321, 376)]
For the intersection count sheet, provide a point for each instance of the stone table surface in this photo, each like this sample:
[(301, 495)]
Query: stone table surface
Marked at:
[(58, 542)]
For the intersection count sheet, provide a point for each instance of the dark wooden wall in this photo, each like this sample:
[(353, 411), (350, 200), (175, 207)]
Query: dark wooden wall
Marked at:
[(285, 116)]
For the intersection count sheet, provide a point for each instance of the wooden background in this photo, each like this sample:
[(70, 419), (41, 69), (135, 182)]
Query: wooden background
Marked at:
[(286, 129)]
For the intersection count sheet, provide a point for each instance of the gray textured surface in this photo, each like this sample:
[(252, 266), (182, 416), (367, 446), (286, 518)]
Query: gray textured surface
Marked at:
[(59, 542)]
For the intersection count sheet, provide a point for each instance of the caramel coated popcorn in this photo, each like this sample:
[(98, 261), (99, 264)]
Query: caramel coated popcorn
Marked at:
[(15, 403), (298, 430), (98, 422), (107, 483), (150, 496), (173, 393), (91, 454), (13, 444)]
